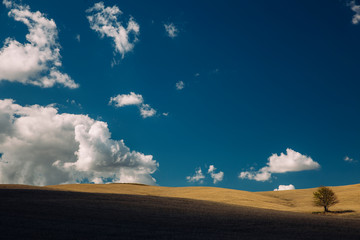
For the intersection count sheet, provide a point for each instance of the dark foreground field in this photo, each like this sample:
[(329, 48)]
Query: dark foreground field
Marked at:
[(40, 214)]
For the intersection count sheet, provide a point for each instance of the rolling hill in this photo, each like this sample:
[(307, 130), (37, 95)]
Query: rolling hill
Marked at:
[(291, 200), (134, 211)]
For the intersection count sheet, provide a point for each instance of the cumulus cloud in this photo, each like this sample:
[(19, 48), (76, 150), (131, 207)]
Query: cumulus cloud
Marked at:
[(104, 20), (217, 177), (180, 85), (36, 62), (356, 9), (171, 30), (197, 177), (147, 111), (122, 100), (292, 161), (285, 187), (39, 146)]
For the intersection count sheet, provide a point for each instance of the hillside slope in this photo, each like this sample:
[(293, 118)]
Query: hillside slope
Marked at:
[(301, 200), (291, 200), (48, 214)]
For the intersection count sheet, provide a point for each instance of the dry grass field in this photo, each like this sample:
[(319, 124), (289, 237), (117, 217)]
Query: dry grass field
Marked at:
[(134, 211), (301, 200), (291, 200)]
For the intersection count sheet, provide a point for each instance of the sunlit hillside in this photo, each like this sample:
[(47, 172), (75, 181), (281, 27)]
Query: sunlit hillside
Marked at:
[(291, 200)]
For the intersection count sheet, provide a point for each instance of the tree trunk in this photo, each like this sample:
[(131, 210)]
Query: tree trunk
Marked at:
[(326, 209)]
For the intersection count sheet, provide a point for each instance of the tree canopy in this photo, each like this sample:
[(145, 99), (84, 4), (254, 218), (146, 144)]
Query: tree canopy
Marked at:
[(325, 197)]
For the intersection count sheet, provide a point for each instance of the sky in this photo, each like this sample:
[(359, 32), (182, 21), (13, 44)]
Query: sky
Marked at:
[(250, 95)]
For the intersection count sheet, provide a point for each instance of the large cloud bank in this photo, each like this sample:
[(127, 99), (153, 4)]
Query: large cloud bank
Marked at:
[(39, 146), (292, 161), (36, 62), (104, 20)]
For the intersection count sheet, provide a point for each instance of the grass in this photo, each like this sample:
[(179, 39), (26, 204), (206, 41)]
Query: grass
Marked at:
[(291, 200), (42, 213), (349, 197)]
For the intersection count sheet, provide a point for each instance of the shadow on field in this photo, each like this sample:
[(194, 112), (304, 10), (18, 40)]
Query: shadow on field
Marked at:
[(42, 214), (334, 212)]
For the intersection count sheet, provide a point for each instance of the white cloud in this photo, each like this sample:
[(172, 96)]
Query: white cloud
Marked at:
[(356, 9), (104, 20), (258, 176), (292, 161), (197, 177), (165, 114), (147, 111), (39, 146), (217, 177), (122, 100), (36, 62), (285, 187), (197, 74), (180, 85), (171, 30), (77, 37)]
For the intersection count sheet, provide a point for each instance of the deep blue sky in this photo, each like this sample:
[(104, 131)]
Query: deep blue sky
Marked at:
[(260, 77)]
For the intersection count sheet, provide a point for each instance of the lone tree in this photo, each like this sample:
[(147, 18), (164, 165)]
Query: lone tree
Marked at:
[(325, 197)]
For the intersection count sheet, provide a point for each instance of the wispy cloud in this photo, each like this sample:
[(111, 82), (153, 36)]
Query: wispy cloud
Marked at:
[(217, 177), (42, 147), (171, 30), (215, 71), (356, 9), (349, 159), (77, 37), (197, 177), (104, 20), (285, 187), (180, 85), (74, 103), (36, 62), (122, 100), (292, 161)]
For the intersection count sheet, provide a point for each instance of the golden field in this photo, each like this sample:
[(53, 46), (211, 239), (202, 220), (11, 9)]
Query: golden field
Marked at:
[(291, 200), (135, 211)]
